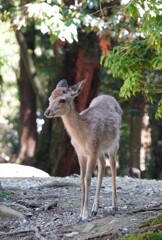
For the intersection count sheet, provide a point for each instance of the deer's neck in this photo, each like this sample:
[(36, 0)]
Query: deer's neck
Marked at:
[(73, 124)]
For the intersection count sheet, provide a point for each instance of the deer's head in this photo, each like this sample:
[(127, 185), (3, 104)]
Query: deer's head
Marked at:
[(61, 98)]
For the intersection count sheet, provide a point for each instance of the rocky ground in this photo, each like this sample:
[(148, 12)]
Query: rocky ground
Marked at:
[(48, 208)]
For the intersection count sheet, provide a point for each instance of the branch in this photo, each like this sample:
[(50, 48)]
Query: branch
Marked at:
[(108, 7), (30, 67), (147, 210)]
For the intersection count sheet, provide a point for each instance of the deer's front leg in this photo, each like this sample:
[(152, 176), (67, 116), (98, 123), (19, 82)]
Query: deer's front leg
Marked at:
[(91, 162), (82, 163), (82, 193)]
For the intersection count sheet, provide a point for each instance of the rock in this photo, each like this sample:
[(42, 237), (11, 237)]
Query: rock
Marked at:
[(16, 170), (88, 228), (71, 234), (124, 231), (9, 212), (1, 189)]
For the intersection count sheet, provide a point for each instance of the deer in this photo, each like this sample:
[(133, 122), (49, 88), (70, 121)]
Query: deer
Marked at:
[(94, 133)]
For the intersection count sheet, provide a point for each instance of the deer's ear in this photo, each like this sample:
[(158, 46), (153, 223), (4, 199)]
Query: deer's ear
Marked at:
[(76, 89), (62, 83)]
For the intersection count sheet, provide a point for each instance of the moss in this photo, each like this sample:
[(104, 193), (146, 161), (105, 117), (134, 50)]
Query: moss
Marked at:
[(144, 236), (153, 221), (4, 194)]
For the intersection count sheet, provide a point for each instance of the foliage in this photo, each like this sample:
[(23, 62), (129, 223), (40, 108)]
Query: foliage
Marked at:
[(135, 61), (132, 62), (57, 18), (144, 236), (138, 24), (159, 110), (154, 221), (4, 194), (9, 102)]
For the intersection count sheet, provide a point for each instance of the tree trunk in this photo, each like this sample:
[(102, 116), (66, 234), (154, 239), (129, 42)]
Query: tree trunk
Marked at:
[(137, 113), (28, 129), (29, 64), (145, 152)]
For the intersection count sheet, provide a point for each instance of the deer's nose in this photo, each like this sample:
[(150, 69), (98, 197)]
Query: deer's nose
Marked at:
[(47, 112)]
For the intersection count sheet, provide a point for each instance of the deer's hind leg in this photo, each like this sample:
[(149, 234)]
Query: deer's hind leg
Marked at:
[(112, 159), (101, 170)]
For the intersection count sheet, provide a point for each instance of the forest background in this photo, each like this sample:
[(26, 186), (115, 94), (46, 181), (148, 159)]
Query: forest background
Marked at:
[(115, 45)]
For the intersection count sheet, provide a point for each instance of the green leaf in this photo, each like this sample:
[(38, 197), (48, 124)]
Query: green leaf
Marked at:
[(53, 39), (158, 113), (132, 10), (157, 62)]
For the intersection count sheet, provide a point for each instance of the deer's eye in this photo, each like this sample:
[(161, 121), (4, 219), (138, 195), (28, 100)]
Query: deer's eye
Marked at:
[(62, 100)]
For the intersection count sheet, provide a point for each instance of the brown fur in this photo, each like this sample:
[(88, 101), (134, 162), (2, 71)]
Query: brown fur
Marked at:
[(94, 134)]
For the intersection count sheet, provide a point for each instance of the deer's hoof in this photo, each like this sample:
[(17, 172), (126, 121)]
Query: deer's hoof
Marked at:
[(115, 209), (81, 220), (94, 213)]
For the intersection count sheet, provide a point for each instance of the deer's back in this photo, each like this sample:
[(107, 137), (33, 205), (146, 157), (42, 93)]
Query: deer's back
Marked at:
[(102, 120), (106, 103), (103, 108)]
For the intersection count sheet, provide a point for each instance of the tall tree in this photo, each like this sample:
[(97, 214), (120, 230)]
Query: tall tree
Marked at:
[(137, 113), (28, 128), (29, 91)]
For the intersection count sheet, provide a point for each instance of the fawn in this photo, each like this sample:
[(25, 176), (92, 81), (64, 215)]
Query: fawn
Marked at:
[(94, 134)]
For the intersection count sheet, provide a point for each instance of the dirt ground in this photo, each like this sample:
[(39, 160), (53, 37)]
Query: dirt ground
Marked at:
[(48, 208)]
